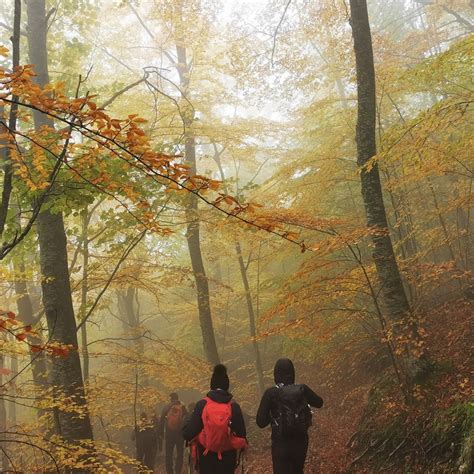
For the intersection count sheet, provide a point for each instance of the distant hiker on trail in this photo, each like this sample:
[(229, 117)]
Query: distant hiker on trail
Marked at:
[(217, 428), (145, 437), (171, 424), (191, 447), (159, 436), (191, 407), (287, 407)]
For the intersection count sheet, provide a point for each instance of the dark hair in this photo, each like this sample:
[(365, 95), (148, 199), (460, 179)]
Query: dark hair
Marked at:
[(174, 397)]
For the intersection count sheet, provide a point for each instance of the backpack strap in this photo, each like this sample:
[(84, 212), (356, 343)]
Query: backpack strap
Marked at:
[(208, 400)]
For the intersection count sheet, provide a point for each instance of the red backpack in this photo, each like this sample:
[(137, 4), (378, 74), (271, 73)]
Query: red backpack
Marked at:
[(174, 418), (216, 435)]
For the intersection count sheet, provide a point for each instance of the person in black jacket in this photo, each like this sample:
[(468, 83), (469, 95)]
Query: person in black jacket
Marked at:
[(145, 437), (288, 452), (210, 462)]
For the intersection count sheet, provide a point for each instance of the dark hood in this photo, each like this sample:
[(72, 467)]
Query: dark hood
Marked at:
[(220, 396), (284, 372)]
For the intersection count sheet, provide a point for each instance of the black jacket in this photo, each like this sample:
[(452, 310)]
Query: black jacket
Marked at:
[(284, 373), (195, 425)]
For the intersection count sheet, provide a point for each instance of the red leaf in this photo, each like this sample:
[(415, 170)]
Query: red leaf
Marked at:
[(5, 371), (60, 351), (11, 315), (35, 348), (21, 336)]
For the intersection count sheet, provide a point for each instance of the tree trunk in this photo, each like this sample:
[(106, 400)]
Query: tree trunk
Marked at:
[(392, 290), (248, 294), (251, 313), (130, 316), (4, 465), (66, 374), (126, 304), (39, 366), (84, 291), (193, 228), (12, 405), (8, 171)]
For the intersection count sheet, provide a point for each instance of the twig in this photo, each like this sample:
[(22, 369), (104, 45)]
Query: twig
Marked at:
[(358, 458), (122, 91), (398, 447), (140, 20), (277, 28)]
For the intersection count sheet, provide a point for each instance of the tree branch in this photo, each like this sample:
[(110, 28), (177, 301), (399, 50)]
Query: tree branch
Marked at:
[(277, 28), (122, 91)]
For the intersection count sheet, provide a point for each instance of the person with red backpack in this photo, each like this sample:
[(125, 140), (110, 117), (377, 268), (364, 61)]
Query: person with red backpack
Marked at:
[(217, 428), (286, 406), (171, 424)]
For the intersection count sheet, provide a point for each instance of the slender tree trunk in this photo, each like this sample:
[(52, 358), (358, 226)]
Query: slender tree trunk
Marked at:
[(468, 234), (128, 309), (251, 313), (26, 316), (3, 415), (392, 290), (193, 228), (7, 166), (248, 293), (66, 374), (39, 367), (84, 290), (12, 407)]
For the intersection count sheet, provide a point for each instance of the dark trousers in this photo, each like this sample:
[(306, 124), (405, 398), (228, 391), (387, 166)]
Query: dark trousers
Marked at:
[(172, 441), (289, 455), (146, 455), (211, 464)]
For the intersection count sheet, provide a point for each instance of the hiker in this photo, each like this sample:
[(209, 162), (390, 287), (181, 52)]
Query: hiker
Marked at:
[(217, 428), (192, 455), (287, 407), (159, 437), (171, 424), (145, 437)]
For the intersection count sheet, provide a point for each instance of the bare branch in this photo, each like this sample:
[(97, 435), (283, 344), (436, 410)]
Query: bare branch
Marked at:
[(277, 28), (122, 91)]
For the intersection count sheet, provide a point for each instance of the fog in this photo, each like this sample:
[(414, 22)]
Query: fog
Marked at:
[(190, 183)]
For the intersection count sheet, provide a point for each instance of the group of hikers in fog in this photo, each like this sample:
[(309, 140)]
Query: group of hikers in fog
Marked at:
[(215, 432)]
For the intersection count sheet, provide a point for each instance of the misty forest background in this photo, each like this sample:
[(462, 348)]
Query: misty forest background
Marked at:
[(181, 185)]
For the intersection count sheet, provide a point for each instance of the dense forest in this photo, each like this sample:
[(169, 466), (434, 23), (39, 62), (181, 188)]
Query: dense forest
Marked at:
[(192, 182)]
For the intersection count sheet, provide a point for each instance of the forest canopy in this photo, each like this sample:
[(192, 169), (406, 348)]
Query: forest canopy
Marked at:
[(186, 183)]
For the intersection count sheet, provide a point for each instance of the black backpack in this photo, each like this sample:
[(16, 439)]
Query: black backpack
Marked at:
[(293, 413)]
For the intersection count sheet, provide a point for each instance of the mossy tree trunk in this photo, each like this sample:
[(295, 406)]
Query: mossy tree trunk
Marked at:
[(392, 290)]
